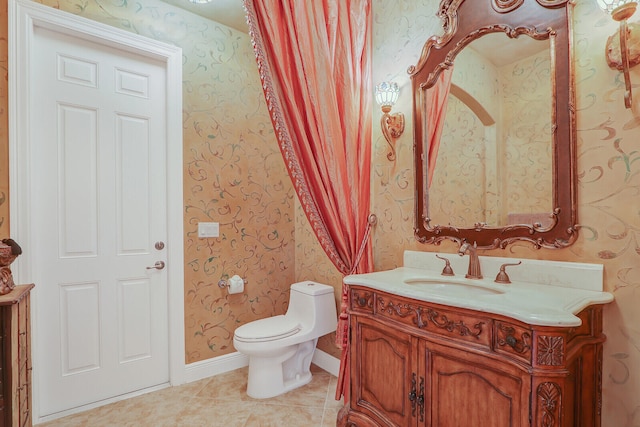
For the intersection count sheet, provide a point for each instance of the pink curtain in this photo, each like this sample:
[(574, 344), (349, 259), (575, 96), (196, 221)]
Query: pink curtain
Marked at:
[(314, 59), (436, 100)]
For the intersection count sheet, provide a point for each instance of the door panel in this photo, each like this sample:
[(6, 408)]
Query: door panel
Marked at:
[(99, 176), (463, 388), (383, 373)]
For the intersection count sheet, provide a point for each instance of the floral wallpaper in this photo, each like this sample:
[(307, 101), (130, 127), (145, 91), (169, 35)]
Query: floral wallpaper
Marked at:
[(461, 164), (234, 175), (608, 181), (233, 172), (526, 165), (499, 162)]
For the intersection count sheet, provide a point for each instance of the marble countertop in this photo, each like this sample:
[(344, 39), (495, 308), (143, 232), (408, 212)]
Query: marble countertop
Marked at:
[(536, 304)]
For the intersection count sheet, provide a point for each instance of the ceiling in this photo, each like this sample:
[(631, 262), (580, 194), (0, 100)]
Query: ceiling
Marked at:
[(227, 12)]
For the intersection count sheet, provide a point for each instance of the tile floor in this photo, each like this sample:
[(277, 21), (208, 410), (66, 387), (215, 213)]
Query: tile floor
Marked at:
[(217, 401)]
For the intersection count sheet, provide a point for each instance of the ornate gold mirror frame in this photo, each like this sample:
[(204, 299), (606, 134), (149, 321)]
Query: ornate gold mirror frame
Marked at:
[(464, 22)]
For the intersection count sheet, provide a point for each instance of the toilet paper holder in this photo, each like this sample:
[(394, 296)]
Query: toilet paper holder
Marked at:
[(223, 283)]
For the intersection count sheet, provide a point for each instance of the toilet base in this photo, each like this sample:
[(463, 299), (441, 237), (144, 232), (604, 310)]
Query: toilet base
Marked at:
[(270, 377)]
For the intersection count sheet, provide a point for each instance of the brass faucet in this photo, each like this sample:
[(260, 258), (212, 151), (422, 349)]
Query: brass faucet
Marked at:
[(474, 263)]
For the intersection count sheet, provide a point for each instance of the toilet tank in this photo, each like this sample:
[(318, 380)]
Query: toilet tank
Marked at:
[(313, 305)]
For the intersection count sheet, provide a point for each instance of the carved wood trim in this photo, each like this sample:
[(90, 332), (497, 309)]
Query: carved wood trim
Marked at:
[(361, 300), (424, 316), (507, 336), (505, 6), (549, 401), (550, 351), (599, 360)]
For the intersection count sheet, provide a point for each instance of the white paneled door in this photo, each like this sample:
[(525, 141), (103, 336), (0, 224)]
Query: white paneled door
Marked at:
[(98, 159)]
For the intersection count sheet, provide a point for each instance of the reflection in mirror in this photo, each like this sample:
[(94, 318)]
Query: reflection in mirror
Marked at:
[(506, 170), (494, 162)]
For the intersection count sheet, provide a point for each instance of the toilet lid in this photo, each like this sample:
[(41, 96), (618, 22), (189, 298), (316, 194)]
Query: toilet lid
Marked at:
[(268, 329)]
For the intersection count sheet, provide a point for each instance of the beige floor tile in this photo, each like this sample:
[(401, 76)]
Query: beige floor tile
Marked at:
[(217, 401), (267, 415)]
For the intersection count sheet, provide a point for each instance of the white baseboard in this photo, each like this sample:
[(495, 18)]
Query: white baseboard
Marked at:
[(326, 361), (215, 366), (232, 361)]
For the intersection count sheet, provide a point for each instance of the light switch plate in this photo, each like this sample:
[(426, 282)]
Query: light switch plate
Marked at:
[(208, 229)]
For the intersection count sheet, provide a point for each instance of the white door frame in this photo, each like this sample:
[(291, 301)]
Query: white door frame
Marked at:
[(24, 17)]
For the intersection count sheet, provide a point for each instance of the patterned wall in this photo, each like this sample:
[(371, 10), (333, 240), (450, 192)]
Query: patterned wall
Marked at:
[(527, 173), (503, 167), (608, 181), (461, 165), (259, 230), (233, 172)]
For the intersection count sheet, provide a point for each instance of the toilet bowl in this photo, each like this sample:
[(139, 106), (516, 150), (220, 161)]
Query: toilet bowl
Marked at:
[(280, 348)]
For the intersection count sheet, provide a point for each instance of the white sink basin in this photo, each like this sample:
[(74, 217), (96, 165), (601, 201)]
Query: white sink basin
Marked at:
[(452, 286), (545, 293)]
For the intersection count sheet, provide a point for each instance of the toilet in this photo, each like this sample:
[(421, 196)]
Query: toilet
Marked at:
[(280, 348)]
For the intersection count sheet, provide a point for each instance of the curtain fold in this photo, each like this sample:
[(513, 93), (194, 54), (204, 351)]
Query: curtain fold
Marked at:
[(437, 97), (314, 59)]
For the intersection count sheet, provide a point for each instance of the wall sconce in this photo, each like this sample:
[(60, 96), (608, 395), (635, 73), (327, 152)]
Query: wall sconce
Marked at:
[(392, 124), (628, 55)]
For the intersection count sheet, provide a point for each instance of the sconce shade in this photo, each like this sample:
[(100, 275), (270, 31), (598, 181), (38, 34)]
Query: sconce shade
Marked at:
[(618, 9), (387, 94)]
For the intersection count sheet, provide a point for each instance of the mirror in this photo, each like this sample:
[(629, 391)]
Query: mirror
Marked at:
[(497, 125), (501, 166)]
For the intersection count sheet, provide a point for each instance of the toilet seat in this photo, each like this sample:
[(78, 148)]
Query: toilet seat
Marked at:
[(268, 329)]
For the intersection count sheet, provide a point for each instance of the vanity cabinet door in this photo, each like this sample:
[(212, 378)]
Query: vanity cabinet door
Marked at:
[(466, 389), (382, 371)]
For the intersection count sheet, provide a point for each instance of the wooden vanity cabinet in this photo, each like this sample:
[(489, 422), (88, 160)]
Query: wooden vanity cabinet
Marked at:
[(15, 358), (415, 363)]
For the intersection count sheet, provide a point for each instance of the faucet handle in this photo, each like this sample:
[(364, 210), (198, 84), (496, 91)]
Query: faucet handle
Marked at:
[(502, 276), (447, 270)]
